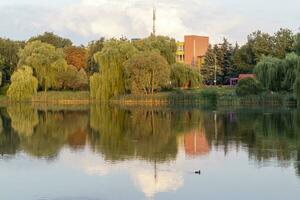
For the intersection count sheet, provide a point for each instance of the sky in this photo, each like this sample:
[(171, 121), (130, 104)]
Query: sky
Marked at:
[(86, 20)]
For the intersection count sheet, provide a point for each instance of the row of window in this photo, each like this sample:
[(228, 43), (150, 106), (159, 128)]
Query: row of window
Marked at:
[(180, 48), (180, 58)]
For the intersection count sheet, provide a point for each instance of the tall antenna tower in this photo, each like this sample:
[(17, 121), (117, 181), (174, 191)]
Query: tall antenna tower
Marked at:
[(154, 20)]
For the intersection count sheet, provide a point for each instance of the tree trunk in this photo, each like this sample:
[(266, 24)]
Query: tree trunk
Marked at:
[(152, 82)]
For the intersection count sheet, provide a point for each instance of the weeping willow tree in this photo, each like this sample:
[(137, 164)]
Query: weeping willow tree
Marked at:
[(269, 72), (23, 119), (1, 76), (185, 76), (95, 82), (23, 84), (110, 80), (291, 64), (46, 60), (297, 86)]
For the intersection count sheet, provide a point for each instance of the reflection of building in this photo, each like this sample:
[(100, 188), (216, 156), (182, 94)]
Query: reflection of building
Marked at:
[(192, 51), (78, 138), (195, 143)]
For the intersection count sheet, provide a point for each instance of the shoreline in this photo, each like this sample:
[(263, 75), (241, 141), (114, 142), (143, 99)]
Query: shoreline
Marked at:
[(220, 97)]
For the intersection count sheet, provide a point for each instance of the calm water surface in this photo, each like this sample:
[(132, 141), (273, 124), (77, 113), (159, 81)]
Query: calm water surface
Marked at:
[(99, 153)]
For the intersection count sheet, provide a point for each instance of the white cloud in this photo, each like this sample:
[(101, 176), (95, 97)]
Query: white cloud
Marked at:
[(84, 20), (91, 18)]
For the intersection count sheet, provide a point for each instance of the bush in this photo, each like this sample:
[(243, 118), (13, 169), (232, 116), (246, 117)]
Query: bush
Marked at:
[(248, 86), (72, 79)]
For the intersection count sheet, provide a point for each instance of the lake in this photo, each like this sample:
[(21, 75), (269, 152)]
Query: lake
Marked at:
[(105, 153)]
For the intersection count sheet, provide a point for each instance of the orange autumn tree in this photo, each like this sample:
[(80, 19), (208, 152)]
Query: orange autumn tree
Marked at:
[(76, 56)]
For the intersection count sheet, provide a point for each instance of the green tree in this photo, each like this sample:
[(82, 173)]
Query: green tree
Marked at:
[(283, 42), (297, 44), (147, 72), (46, 60), (211, 67), (225, 60), (111, 62), (262, 44), (244, 59), (165, 45), (23, 84), (1, 69), (297, 86), (51, 38), (290, 65), (185, 76), (9, 57), (93, 48), (269, 72)]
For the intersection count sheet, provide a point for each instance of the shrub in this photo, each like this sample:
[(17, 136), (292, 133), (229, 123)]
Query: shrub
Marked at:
[(248, 86), (73, 79)]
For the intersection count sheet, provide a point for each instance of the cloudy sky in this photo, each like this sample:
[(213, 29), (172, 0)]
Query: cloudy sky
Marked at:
[(85, 20)]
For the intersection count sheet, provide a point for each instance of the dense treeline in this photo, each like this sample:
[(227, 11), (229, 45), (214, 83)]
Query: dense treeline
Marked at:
[(54, 61), (112, 67), (274, 59), (232, 60)]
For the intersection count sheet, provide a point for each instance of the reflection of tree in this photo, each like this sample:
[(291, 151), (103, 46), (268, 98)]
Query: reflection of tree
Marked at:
[(53, 132), (266, 136), (41, 133), (142, 133), (23, 118), (9, 140)]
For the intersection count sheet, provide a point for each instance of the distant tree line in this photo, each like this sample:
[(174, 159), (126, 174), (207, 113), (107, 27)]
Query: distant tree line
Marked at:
[(112, 67), (273, 58), (54, 61), (231, 60)]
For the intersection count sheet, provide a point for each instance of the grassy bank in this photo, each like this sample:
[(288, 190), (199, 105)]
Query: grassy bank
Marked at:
[(209, 96), (176, 97), (214, 96), (56, 97), (62, 97)]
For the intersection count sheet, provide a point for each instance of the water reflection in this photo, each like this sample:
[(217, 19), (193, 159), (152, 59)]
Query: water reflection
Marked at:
[(265, 134), (151, 138)]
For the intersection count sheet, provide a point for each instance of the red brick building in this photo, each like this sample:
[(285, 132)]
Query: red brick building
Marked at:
[(195, 48)]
